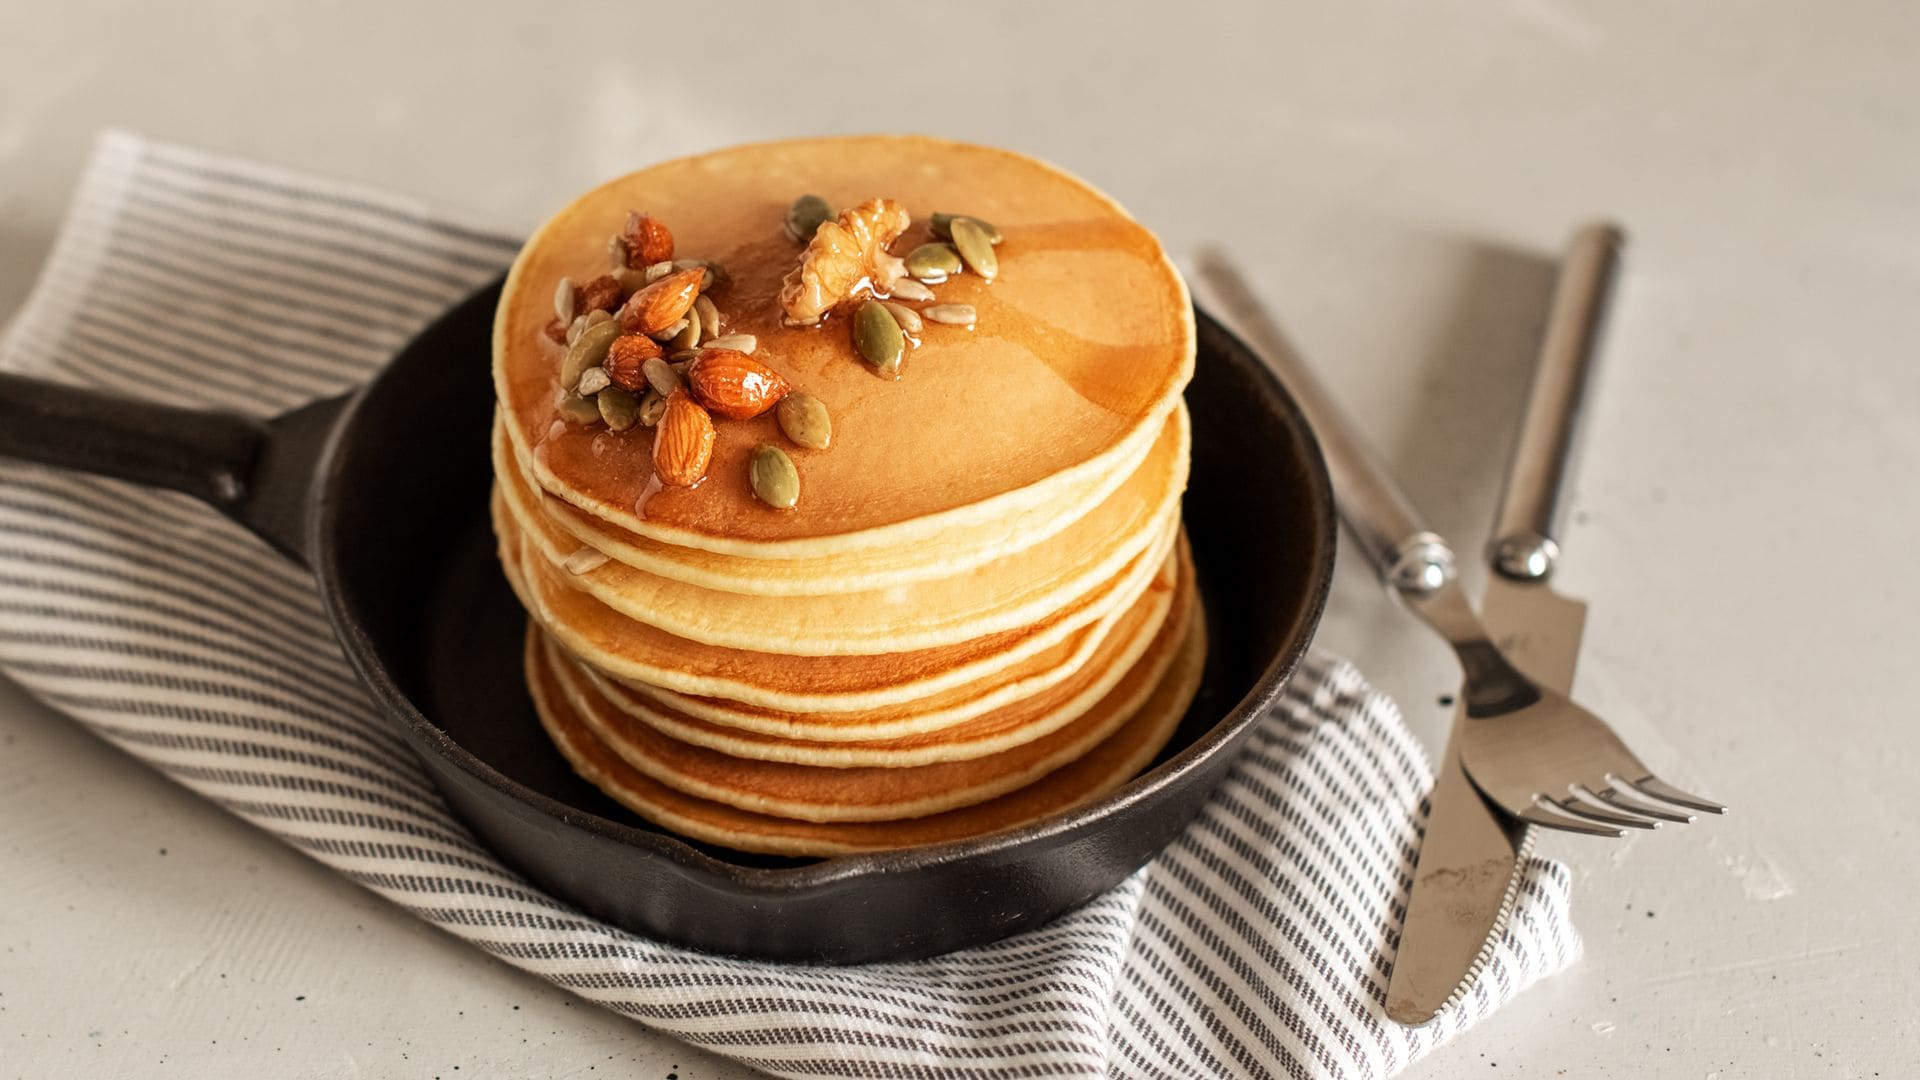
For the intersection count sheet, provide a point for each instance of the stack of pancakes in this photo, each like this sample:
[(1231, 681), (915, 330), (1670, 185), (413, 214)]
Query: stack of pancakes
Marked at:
[(981, 611)]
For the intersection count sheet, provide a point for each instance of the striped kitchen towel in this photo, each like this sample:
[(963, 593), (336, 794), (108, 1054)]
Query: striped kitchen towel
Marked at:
[(1257, 945)]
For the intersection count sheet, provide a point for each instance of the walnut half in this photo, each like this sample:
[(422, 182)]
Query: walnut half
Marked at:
[(847, 256)]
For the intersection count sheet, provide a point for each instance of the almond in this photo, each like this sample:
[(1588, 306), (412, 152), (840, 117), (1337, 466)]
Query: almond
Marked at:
[(600, 294), (556, 331), (626, 361), (733, 384), (648, 240), (683, 442), (662, 303)]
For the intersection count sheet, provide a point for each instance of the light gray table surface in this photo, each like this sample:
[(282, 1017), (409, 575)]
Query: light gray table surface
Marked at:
[(1396, 177)]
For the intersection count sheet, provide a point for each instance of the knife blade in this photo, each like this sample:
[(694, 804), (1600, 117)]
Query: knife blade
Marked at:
[(1469, 864)]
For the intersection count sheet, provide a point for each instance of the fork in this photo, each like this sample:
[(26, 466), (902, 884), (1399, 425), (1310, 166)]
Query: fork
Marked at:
[(1529, 749)]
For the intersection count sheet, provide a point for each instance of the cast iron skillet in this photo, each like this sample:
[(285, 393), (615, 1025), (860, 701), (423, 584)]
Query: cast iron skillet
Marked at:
[(386, 502)]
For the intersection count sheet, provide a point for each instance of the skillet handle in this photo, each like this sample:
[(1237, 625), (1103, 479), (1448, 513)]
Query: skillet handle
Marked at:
[(256, 472)]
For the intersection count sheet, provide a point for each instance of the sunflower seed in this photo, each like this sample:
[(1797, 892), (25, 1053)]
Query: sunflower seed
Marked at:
[(804, 418), (657, 271), (594, 381), (951, 314), (661, 376), (775, 481), (908, 318), (709, 316), (574, 328), (651, 408), (587, 353), (689, 335), (597, 316), (909, 289), (580, 410), (564, 298), (745, 343), (716, 275), (671, 332), (617, 407), (877, 337), (617, 255), (585, 561), (631, 281), (943, 226), (975, 247), (932, 263), (806, 215)]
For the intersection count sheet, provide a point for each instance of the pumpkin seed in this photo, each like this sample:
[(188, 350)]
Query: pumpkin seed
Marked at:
[(617, 255), (617, 407), (580, 410), (651, 408), (661, 376), (932, 263), (594, 381), (745, 343), (908, 289), (775, 481), (689, 335), (943, 226), (877, 337), (709, 316), (806, 215), (585, 561), (804, 418), (658, 270), (598, 316), (588, 352), (975, 247), (908, 318), (564, 298), (951, 314)]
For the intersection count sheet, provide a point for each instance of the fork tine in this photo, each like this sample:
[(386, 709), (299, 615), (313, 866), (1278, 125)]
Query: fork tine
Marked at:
[(1613, 796), (1580, 809), (1660, 789), (1557, 821)]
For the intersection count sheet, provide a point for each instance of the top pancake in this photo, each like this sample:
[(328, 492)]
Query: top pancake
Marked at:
[(1083, 343)]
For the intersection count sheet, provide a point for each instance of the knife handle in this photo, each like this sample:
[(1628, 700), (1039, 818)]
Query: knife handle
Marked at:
[(1525, 529), (1410, 557)]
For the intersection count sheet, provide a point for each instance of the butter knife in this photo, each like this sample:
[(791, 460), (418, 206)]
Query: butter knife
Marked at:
[(1469, 864)]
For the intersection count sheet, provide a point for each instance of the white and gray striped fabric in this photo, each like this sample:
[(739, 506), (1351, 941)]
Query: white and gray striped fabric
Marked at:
[(1257, 945)]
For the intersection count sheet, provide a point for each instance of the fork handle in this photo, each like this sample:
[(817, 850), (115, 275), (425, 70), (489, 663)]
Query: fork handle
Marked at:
[(1526, 528)]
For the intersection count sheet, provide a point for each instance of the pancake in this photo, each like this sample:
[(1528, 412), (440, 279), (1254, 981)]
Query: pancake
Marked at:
[(1096, 772), (1082, 345), (633, 651), (819, 792), (843, 740), (1007, 594)]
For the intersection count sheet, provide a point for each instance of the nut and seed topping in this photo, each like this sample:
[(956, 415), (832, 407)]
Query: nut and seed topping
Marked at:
[(593, 381), (577, 409), (775, 481), (648, 238), (806, 215), (688, 335), (877, 338), (587, 352), (846, 256), (951, 314), (655, 271), (908, 318), (661, 376), (565, 297), (943, 226), (908, 289), (557, 332), (745, 343), (804, 419), (627, 359), (933, 263), (683, 443), (975, 247), (619, 256), (733, 384), (585, 561), (662, 304), (651, 407), (618, 408), (709, 316), (601, 294)]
